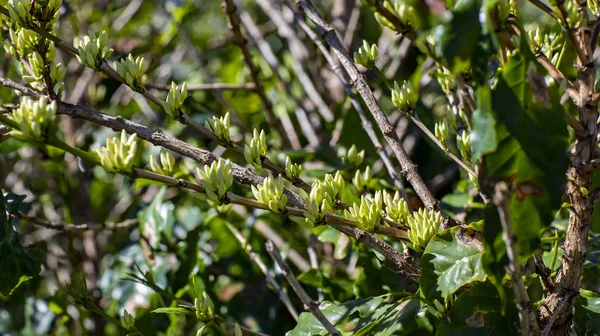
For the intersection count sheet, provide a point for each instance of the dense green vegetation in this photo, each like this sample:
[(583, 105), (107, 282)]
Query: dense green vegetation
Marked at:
[(334, 167)]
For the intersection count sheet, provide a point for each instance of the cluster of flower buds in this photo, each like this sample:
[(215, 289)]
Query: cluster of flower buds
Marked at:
[(293, 170), (118, 155), (334, 184), (128, 321), (366, 55), (396, 207), (318, 202), (38, 66), (271, 194), (30, 13), (132, 72), (464, 145), (405, 98), (220, 127), (361, 181), (205, 308), (167, 163), (422, 225), (34, 117), (216, 180), (93, 49), (550, 45), (24, 40), (442, 131), (174, 101), (353, 157), (368, 213), (445, 78), (20, 12), (256, 150)]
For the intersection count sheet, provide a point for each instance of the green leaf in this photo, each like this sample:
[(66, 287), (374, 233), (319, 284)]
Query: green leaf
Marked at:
[(478, 311), (372, 316), (531, 154), (18, 264), (483, 136), (460, 36), (451, 260), (312, 277), (157, 219), (174, 310), (587, 313)]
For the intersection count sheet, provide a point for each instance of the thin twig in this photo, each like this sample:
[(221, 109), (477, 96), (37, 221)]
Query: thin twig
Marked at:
[(233, 22), (255, 257), (299, 53), (309, 304), (361, 85), (126, 224), (208, 87), (527, 316), (365, 122), (269, 56), (539, 4)]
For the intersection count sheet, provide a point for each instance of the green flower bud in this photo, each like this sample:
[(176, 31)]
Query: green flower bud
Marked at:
[(445, 78), (318, 203), (127, 320), (205, 308), (361, 181), (334, 184), (167, 161), (442, 131), (464, 145), (216, 180), (20, 12), (24, 40), (396, 207), (34, 117), (406, 13), (536, 39), (220, 127), (118, 155), (422, 226), (366, 55), (237, 331), (93, 49), (256, 150), (383, 21), (354, 157), (132, 72), (404, 98), (293, 170), (174, 101), (271, 194), (368, 213)]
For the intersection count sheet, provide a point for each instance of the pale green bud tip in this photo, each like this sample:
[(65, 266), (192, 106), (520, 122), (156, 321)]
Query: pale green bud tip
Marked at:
[(174, 101), (93, 49), (423, 225), (34, 117), (216, 180), (368, 213), (366, 55), (132, 72), (354, 157), (256, 150), (127, 320), (405, 98), (293, 170), (271, 194), (119, 153), (220, 127), (396, 207), (167, 163), (204, 307)]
